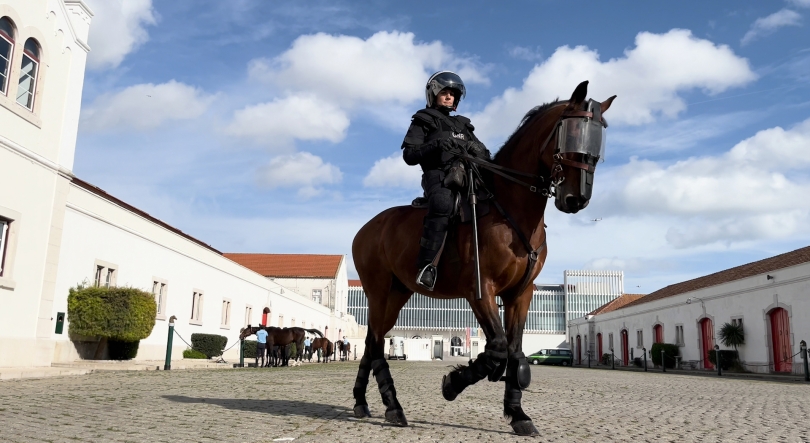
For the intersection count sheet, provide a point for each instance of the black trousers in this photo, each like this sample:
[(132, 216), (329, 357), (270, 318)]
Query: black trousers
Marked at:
[(440, 208)]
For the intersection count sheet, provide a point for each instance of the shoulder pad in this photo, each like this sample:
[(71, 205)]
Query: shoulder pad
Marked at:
[(465, 121), (424, 117)]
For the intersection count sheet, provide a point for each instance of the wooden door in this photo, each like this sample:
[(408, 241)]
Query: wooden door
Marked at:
[(658, 334), (625, 349), (599, 346), (706, 341), (780, 341), (579, 350)]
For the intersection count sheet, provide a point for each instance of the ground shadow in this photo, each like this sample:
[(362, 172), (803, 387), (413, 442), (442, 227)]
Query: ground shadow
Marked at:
[(275, 407)]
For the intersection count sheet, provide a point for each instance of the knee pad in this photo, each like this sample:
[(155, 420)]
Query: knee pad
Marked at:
[(517, 369)]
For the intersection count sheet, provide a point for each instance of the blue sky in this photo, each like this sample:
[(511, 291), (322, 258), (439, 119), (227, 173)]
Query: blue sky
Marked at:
[(260, 126)]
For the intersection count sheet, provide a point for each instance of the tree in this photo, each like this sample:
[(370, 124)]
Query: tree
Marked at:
[(732, 334)]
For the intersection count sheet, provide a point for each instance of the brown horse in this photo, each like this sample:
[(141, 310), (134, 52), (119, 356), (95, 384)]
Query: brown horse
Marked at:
[(343, 350), (325, 346), (282, 337), (544, 157)]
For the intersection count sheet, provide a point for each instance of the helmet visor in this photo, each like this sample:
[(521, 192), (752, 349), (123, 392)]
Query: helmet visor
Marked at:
[(449, 80), (583, 135)]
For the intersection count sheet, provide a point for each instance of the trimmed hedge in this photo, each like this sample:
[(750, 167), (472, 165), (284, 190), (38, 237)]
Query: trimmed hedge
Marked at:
[(211, 345), (191, 353), (119, 314), (606, 359), (670, 351), (122, 350), (250, 349), (728, 359)]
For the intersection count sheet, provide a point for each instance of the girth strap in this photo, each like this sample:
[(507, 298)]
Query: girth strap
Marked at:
[(533, 253)]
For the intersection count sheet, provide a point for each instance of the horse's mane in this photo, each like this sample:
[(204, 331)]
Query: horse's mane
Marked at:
[(534, 112)]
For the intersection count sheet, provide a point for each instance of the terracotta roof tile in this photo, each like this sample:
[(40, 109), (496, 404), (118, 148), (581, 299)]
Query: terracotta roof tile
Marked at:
[(354, 283), (289, 265), (781, 261), (617, 303)]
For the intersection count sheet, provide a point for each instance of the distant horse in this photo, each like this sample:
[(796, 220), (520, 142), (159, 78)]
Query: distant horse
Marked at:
[(552, 153), (344, 350), (282, 337), (324, 346)]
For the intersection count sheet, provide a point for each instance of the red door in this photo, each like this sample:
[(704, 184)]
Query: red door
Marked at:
[(599, 346), (658, 334), (625, 349), (265, 312), (780, 337), (706, 341), (579, 350)]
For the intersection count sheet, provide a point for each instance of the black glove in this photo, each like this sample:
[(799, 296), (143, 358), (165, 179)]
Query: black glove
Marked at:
[(478, 150)]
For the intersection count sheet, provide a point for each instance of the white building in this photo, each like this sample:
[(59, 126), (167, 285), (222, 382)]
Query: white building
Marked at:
[(57, 231), (768, 297)]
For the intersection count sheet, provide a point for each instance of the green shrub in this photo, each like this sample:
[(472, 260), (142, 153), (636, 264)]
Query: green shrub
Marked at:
[(728, 358), (211, 345), (292, 350), (118, 313), (250, 349), (191, 353), (122, 350), (638, 362), (670, 351), (606, 359)]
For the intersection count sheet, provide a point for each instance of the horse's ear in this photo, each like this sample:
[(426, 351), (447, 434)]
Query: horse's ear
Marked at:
[(606, 104), (579, 94)]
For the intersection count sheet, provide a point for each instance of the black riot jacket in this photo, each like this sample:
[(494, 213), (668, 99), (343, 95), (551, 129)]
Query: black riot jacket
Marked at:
[(431, 129)]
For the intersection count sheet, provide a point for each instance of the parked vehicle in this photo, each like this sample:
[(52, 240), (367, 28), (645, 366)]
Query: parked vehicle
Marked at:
[(397, 348), (562, 357)]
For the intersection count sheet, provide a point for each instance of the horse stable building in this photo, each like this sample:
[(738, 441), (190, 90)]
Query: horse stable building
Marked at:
[(769, 298), (454, 330), (58, 231)]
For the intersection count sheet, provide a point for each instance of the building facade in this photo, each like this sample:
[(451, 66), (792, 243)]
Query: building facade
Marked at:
[(769, 298)]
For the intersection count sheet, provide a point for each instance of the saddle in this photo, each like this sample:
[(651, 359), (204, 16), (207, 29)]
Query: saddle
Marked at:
[(462, 211)]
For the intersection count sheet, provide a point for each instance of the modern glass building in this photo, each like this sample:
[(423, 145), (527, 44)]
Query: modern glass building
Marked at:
[(551, 307)]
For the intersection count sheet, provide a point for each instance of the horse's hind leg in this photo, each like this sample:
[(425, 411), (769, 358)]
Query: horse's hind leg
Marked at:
[(384, 307), (518, 373)]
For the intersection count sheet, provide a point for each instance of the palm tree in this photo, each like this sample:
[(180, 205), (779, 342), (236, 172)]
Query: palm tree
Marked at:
[(732, 334)]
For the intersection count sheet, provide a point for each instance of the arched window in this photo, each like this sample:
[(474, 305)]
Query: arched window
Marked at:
[(28, 74), (6, 49)]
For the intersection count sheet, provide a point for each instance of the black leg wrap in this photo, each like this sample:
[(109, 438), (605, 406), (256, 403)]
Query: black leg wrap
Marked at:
[(484, 366), (393, 412), (359, 392), (520, 422), (517, 369)]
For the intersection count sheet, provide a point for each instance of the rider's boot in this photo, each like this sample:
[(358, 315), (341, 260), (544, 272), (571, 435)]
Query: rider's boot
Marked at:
[(429, 246)]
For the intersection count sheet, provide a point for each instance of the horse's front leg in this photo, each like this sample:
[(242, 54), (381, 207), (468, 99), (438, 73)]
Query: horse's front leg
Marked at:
[(518, 373), (492, 362)]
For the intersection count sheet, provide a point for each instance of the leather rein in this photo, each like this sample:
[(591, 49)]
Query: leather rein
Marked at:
[(554, 180)]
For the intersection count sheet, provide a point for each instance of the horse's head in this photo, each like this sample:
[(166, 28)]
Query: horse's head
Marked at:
[(580, 145)]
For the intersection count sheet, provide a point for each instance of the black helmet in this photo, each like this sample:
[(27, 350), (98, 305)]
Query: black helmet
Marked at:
[(441, 80)]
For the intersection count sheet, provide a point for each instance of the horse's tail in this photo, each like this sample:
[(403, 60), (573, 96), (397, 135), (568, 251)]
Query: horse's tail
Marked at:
[(314, 331)]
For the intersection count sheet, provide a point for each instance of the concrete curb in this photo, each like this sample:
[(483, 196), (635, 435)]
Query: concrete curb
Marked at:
[(788, 378)]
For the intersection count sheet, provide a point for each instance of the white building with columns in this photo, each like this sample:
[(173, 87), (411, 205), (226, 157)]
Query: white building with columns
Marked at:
[(57, 231)]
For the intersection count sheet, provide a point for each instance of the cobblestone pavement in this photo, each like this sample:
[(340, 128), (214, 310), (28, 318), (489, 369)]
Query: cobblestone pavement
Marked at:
[(313, 403)]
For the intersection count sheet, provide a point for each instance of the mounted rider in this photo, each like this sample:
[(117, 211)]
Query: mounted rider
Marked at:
[(432, 141)]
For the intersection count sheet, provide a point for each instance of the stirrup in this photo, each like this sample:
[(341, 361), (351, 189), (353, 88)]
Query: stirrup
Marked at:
[(427, 285)]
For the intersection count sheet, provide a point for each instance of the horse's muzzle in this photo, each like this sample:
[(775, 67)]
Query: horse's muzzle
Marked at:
[(570, 204)]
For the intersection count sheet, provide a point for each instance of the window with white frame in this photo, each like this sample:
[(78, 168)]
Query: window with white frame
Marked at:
[(196, 307), (610, 341), (225, 317), (160, 290), (248, 314), (29, 69), (6, 51), (280, 321), (4, 230), (679, 335), (737, 321), (639, 338), (316, 295), (106, 274)]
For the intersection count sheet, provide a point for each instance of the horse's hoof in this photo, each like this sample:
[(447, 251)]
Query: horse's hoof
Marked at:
[(397, 417), (447, 389), (361, 411), (525, 428)]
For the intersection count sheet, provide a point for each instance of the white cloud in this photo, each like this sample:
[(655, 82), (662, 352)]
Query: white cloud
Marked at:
[(648, 80), (525, 53), (276, 124), (301, 170), (119, 27), (387, 68), (800, 3), (145, 106), (767, 25), (393, 172), (747, 193)]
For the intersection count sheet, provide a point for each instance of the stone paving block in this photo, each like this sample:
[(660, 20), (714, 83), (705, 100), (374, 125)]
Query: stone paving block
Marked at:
[(313, 403)]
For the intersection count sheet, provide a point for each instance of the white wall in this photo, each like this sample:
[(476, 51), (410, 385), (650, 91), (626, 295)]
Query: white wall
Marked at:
[(750, 299), (36, 156)]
